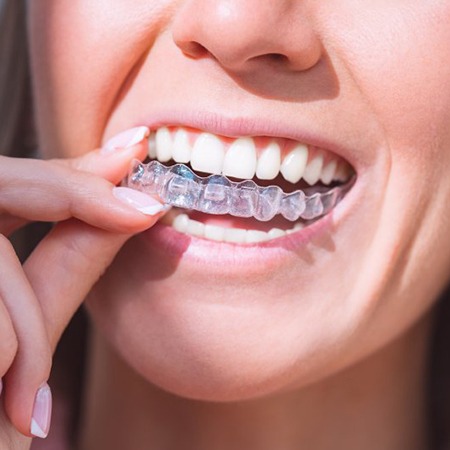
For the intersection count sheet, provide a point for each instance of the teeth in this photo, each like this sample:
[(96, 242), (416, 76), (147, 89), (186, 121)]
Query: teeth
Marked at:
[(269, 162), (152, 146), (235, 235), (183, 224), (214, 233), (240, 159), (212, 155), (275, 233), (253, 236), (294, 164), (181, 147), (195, 228), (313, 170), (163, 145), (208, 154), (328, 172)]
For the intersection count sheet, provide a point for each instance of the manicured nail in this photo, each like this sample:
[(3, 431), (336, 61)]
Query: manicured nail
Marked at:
[(140, 201), (42, 412), (126, 139)]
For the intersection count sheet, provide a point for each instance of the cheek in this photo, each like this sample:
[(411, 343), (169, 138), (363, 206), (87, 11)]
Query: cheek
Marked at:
[(396, 53), (398, 57), (82, 54)]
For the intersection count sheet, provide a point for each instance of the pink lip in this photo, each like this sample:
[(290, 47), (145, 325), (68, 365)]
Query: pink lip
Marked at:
[(253, 126)]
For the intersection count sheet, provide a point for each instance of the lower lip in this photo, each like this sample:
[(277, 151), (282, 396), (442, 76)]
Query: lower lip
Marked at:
[(212, 255)]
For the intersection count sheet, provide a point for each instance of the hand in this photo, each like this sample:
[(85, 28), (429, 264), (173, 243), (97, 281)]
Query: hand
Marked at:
[(38, 300)]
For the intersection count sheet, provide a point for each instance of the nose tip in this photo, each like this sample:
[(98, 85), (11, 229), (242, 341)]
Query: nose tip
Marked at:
[(241, 34)]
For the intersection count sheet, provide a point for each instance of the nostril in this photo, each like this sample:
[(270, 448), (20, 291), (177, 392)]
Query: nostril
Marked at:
[(277, 57), (274, 58), (193, 49)]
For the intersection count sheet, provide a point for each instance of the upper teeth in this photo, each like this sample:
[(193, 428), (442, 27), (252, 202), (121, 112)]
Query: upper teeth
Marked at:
[(208, 153)]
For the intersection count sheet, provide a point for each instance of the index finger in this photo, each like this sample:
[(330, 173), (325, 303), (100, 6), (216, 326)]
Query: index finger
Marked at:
[(83, 188)]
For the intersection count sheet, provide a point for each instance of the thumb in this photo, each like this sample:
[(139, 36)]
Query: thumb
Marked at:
[(66, 265)]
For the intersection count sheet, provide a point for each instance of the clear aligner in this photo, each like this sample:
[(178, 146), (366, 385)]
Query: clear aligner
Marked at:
[(216, 194)]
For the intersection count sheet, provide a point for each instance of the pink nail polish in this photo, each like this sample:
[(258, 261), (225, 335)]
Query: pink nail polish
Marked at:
[(138, 200), (126, 139), (42, 412)]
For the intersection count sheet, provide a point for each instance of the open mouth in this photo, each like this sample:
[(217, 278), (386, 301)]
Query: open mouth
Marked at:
[(241, 190)]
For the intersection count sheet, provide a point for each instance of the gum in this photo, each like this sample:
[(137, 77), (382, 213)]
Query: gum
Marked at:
[(216, 194)]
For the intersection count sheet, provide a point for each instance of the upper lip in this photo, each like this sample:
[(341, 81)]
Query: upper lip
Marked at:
[(240, 126)]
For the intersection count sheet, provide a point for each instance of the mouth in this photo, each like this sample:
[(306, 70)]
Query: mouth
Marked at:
[(243, 190)]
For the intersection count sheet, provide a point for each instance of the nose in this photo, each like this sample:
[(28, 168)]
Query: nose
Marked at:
[(242, 34)]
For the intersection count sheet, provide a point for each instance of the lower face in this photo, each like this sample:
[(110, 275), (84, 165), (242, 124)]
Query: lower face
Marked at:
[(208, 311)]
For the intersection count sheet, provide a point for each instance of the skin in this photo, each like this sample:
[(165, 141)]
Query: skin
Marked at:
[(374, 78), (93, 222)]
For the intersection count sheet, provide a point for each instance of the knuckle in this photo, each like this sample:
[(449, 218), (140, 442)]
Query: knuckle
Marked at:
[(75, 248), (82, 189)]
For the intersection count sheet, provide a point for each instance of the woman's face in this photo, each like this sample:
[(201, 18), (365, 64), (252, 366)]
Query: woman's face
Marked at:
[(367, 84)]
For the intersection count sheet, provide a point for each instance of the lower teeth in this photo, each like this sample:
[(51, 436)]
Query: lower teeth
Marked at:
[(183, 224), (216, 194)]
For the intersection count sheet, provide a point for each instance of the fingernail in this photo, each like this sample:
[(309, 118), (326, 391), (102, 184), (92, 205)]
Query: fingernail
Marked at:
[(1, 386), (42, 412), (138, 200), (126, 139)]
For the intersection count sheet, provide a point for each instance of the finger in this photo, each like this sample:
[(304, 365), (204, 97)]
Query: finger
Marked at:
[(32, 362), (76, 255), (55, 192)]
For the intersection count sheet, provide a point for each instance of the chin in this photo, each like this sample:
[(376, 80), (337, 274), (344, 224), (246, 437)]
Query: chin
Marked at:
[(212, 338)]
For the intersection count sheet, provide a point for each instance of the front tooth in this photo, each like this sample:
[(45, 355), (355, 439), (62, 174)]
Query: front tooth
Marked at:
[(181, 147), (181, 223), (328, 172), (240, 159), (214, 233), (293, 165), (235, 235), (269, 162), (195, 228), (163, 144), (313, 170), (207, 154), (152, 146)]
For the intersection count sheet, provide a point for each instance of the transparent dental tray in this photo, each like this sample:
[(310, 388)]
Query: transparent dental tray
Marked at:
[(216, 194)]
